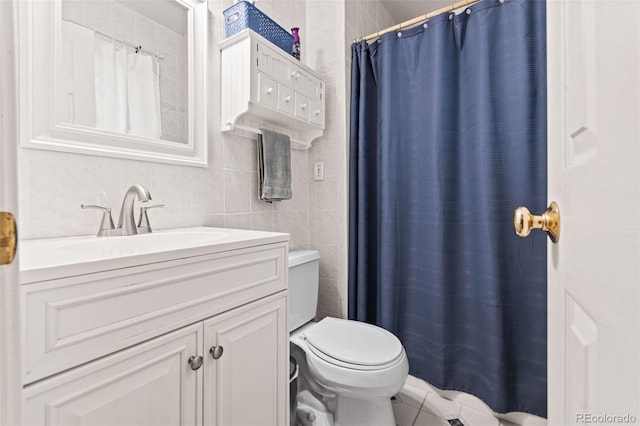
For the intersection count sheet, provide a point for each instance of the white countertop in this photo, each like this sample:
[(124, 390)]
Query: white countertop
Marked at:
[(53, 258)]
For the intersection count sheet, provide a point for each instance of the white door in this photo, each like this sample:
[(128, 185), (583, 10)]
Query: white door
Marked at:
[(150, 384), (246, 365), (594, 175), (10, 384)]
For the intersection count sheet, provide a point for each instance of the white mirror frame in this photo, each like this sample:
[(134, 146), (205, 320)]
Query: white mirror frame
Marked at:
[(40, 59)]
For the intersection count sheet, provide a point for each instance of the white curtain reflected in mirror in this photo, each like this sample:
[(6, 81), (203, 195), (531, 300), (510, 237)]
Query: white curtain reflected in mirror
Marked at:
[(111, 92), (124, 67)]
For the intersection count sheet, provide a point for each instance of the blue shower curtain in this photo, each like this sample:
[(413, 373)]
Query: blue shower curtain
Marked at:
[(448, 136)]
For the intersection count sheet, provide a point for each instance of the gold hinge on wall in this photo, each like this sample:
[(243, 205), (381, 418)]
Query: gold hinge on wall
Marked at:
[(8, 238)]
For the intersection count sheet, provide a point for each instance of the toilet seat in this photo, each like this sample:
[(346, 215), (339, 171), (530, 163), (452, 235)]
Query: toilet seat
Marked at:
[(354, 345)]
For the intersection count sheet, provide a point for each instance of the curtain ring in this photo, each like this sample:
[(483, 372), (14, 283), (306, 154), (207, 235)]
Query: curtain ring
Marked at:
[(468, 11), (399, 34), (425, 25), (451, 16)]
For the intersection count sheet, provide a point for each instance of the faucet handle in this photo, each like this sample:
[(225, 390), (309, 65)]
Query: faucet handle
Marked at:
[(143, 221), (107, 227)]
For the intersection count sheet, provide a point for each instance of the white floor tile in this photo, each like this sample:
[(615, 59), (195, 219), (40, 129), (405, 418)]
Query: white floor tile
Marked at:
[(404, 414), (427, 419), (407, 396), (466, 399), (435, 404), (412, 395), (471, 417), (522, 419)]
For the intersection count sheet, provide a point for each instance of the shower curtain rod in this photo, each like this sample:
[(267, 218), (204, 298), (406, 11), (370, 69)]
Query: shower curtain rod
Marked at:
[(138, 48), (419, 19)]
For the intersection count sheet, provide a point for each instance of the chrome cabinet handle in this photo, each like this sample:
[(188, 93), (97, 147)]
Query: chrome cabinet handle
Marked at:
[(269, 90), (287, 99), (317, 112), (106, 224), (303, 106), (216, 351), (195, 362)]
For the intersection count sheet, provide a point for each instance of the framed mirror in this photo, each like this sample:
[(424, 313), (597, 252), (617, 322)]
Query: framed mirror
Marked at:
[(118, 78)]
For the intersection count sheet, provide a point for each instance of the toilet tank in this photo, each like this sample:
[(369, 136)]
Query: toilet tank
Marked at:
[(303, 287)]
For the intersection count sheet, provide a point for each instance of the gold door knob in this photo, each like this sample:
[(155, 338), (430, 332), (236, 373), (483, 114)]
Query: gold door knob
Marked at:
[(549, 221), (8, 238)]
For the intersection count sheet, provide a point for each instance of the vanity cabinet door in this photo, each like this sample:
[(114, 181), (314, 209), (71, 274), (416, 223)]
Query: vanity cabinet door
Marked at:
[(149, 384), (246, 380)]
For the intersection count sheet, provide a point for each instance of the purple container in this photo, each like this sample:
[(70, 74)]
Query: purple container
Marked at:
[(295, 45)]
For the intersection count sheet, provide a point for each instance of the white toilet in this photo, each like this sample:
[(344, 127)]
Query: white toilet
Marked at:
[(355, 367)]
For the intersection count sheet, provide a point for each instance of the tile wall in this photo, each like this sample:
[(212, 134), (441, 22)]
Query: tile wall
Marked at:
[(334, 25), (326, 22), (52, 185)]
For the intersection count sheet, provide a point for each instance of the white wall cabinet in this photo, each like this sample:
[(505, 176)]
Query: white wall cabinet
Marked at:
[(193, 341), (262, 86)]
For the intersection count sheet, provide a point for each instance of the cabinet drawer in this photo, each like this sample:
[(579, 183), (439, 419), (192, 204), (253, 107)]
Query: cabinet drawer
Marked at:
[(286, 102), (273, 63), (302, 107), (267, 91), (316, 113), (74, 320), (306, 84)]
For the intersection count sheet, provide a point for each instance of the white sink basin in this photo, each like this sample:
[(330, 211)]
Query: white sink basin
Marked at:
[(146, 243), (52, 258)]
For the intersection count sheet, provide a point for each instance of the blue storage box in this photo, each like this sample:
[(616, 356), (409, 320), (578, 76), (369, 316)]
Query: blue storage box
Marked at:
[(243, 15)]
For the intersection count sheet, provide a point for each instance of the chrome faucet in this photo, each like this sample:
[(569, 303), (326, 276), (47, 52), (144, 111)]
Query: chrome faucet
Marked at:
[(127, 223)]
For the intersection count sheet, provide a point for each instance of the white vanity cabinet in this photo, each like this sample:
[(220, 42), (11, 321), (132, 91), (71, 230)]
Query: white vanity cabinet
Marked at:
[(264, 86), (242, 387), (197, 339), (150, 384)]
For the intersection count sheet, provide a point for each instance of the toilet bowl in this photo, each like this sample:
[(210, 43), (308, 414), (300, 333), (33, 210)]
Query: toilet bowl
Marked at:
[(360, 365)]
